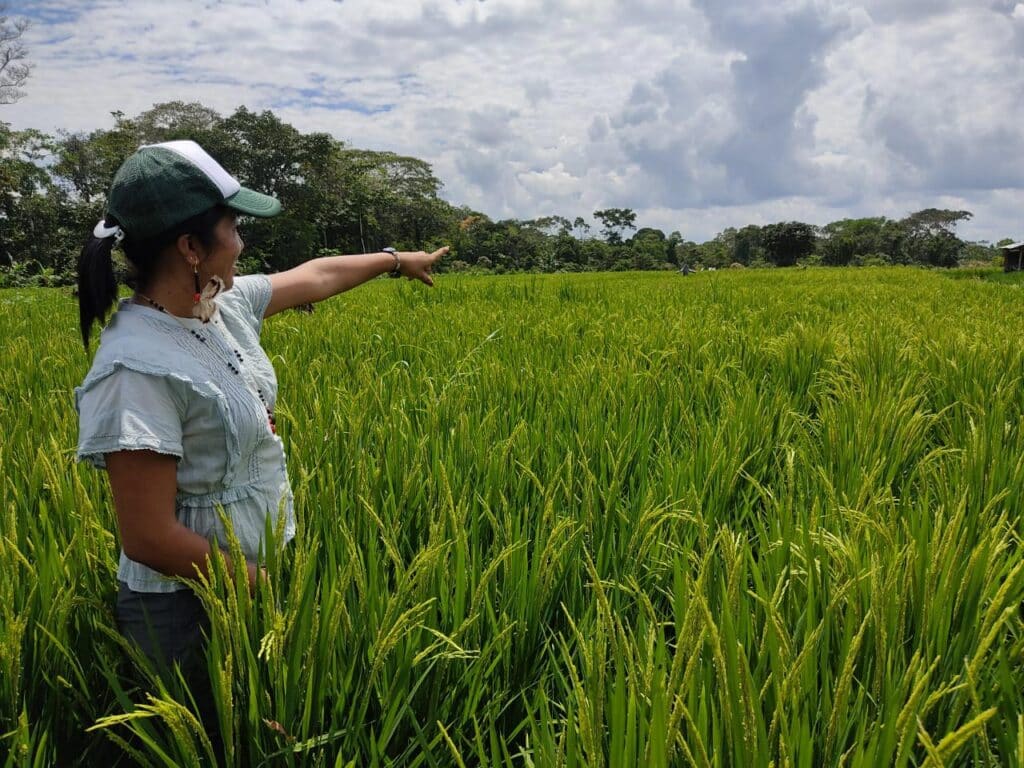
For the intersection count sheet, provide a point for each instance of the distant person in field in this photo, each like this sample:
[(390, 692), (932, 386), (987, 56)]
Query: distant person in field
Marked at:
[(178, 405)]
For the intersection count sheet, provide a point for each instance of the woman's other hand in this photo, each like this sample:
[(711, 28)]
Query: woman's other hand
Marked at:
[(257, 576)]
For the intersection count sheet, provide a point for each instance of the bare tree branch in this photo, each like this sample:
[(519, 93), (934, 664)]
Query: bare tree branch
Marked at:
[(14, 69)]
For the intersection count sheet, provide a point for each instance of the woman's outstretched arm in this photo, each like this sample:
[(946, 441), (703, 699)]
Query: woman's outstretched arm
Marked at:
[(319, 279)]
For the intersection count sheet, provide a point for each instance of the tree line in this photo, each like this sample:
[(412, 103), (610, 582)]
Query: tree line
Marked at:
[(339, 198)]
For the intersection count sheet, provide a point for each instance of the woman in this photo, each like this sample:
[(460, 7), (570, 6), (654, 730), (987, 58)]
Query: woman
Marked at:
[(178, 406)]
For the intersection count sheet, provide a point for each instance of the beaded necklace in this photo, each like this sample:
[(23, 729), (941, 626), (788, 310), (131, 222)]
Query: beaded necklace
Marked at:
[(235, 369)]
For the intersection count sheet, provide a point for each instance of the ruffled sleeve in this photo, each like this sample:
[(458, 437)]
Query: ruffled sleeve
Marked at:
[(129, 411)]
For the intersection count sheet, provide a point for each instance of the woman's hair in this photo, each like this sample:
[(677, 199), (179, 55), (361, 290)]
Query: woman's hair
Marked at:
[(97, 285)]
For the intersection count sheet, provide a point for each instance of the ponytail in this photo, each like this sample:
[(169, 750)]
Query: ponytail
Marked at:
[(97, 286)]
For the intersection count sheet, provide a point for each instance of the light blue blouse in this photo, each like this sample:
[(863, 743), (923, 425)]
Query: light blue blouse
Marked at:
[(156, 386)]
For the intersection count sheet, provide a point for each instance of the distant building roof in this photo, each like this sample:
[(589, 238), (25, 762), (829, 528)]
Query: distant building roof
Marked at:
[(1012, 246)]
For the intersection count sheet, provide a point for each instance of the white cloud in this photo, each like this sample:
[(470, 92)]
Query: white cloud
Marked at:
[(698, 114), (552, 184)]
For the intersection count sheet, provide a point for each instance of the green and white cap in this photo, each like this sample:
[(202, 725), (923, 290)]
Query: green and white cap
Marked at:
[(162, 185)]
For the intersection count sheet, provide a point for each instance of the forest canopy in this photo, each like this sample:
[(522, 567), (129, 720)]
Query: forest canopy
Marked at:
[(342, 199)]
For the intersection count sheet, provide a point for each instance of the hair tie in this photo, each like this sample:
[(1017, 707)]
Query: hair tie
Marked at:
[(102, 231)]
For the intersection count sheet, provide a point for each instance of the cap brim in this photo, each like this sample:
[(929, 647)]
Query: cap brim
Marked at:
[(254, 203)]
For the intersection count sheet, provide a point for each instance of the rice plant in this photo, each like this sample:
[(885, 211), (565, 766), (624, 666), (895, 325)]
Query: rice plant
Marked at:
[(734, 519)]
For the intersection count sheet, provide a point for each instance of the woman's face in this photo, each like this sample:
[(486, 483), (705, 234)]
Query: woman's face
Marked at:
[(221, 258)]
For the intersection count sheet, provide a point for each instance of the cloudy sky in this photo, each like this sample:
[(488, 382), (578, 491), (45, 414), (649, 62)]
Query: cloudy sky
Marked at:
[(698, 114)]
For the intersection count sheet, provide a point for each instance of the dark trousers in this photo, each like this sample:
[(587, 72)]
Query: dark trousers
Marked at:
[(169, 627)]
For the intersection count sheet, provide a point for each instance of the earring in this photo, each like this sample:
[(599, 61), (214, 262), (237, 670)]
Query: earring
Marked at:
[(196, 297), (205, 306)]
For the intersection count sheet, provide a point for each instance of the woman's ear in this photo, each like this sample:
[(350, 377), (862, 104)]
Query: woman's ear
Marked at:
[(186, 246)]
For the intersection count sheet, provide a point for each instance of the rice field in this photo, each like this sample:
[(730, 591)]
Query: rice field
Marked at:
[(735, 519)]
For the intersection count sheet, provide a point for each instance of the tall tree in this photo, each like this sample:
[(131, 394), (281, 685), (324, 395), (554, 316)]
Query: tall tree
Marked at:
[(390, 199), (787, 242), (747, 245), (86, 162), (614, 221), (550, 225), (930, 237), (672, 247), (934, 221), (648, 248), (567, 252), (35, 225), (14, 69), (847, 241), (172, 120)]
